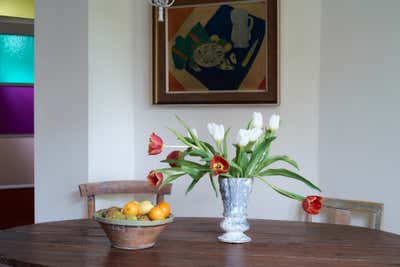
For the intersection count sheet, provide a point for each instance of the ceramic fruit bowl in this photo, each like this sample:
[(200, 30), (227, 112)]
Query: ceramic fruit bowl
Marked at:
[(129, 234)]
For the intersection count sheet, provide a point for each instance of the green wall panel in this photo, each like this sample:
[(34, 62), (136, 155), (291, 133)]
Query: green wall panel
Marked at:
[(16, 59)]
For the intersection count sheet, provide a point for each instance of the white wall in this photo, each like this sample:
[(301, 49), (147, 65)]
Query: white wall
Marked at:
[(61, 108), (112, 62), (359, 124), (111, 89), (122, 117)]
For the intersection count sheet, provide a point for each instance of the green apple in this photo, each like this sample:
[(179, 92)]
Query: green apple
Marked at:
[(145, 207)]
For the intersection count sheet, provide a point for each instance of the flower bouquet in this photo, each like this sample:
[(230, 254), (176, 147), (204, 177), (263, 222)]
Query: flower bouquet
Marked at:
[(252, 160)]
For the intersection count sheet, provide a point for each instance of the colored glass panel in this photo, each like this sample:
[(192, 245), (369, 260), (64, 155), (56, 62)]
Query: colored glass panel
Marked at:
[(16, 110), (17, 8), (16, 59)]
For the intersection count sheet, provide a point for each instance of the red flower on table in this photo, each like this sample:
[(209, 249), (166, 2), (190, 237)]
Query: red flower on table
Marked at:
[(219, 165), (156, 144), (155, 178), (312, 204), (174, 155)]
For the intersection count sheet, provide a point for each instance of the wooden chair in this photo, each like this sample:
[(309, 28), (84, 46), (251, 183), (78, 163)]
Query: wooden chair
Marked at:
[(90, 190), (343, 210)]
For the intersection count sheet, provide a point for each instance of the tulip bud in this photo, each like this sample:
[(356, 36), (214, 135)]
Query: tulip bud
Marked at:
[(257, 120), (174, 155), (254, 134), (155, 178), (156, 144), (243, 138), (216, 131), (274, 122), (312, 204)]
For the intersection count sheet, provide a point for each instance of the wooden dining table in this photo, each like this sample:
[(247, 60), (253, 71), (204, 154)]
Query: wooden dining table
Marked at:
[(193, 242)]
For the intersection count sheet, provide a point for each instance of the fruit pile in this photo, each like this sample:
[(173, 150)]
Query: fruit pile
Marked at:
[(141, 211)]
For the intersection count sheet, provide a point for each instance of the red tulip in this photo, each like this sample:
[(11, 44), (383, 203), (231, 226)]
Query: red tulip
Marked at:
[(174, 155), (156, 144), (155, 178), (312, 204), (219, 165)]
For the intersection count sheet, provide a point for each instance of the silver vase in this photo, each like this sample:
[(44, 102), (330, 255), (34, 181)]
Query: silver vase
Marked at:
[(235, 194)]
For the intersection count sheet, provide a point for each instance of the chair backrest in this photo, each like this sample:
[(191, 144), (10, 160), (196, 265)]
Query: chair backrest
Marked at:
[(344, 208), (90, 190)]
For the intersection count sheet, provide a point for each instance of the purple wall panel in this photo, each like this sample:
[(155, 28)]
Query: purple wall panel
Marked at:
[(16, 110)]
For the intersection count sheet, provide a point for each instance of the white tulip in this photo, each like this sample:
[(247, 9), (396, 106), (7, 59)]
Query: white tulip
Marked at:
[(274, 122), (254, 134), (243, 138), (257, 120), (194, 131), (217, 131)]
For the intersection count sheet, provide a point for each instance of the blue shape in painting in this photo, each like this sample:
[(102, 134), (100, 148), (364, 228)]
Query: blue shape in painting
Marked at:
[(16, 59), (215, 78)]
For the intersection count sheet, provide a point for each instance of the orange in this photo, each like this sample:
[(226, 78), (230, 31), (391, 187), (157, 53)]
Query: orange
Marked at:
[(156, 213), (165, 208), (131, 208)]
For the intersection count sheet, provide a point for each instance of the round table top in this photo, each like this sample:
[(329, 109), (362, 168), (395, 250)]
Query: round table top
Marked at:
[(193, 242)]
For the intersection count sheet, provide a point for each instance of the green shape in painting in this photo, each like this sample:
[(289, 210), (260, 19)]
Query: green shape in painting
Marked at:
[(16, 59)]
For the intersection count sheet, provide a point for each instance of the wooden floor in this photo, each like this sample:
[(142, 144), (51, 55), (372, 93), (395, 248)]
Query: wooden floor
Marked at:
[(17, 207)]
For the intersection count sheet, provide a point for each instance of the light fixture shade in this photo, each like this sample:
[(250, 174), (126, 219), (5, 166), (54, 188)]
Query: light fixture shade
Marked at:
[(161, 5)]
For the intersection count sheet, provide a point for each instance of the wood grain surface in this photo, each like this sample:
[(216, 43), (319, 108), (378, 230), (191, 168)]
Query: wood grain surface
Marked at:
[(192, 242)]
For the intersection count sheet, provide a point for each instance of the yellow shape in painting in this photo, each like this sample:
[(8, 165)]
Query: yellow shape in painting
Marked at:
[(17, 8)]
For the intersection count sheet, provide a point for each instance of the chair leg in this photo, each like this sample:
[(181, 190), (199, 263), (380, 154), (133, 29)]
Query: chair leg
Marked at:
[(91, 206), (160, 198)]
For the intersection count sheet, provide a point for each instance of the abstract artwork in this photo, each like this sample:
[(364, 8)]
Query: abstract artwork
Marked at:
[(212, 52)]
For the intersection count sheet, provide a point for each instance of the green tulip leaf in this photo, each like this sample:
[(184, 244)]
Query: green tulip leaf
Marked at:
[(188, 139), (225, 149), (274, 159), (191, 186), (213, 184), (282, 191), (194, 152), (182, 162), (192, 135), (260, 152), (289, 174), (248, 125), (235, 166), (169, 179), (169, 171), (209, 147), (194, 172), (243, 159), (180, 137)]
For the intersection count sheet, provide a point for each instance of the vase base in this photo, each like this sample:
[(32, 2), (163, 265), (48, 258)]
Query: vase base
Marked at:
[(235, 238)]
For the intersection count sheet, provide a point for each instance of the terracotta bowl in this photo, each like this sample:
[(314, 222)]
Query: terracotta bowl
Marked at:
[(126, 234)]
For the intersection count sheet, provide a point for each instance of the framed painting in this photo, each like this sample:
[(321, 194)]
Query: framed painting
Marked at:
[(216, 52)]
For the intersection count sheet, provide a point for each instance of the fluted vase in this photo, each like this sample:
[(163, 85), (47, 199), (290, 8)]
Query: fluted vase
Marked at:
[(235, 194)]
